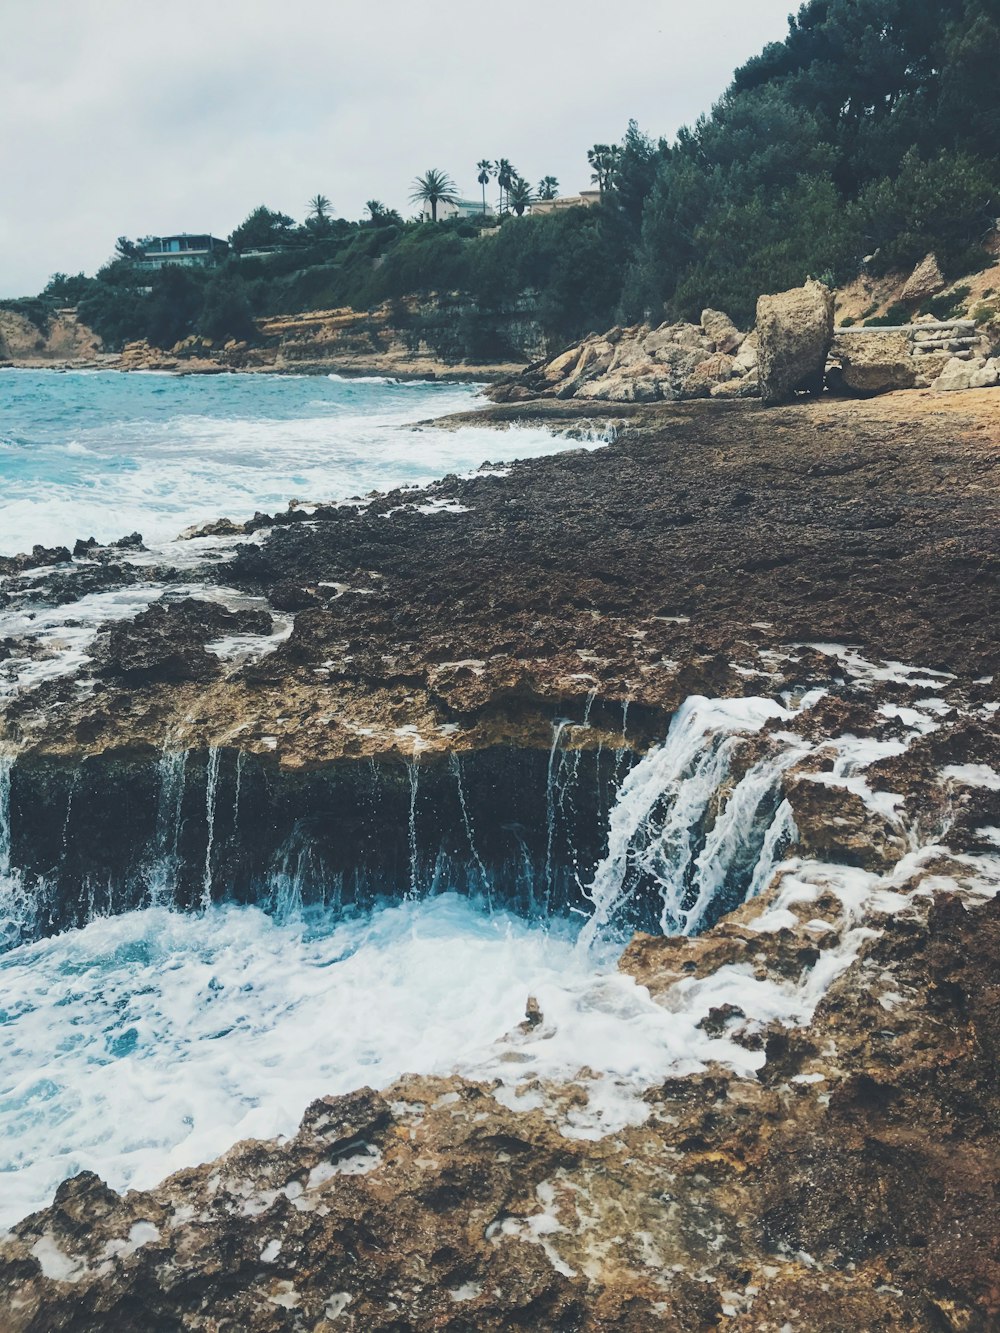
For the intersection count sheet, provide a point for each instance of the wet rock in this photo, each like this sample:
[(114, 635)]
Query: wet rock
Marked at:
[(167, 642), (39, 557), (293, 597), (837, 825), (794, 332)]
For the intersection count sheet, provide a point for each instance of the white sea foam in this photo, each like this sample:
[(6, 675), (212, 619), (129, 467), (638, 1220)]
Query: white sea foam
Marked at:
[(63, 636), (149, 1041), (109, 454)]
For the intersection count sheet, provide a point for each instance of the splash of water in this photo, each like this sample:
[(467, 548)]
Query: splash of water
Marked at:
[(683, 832)]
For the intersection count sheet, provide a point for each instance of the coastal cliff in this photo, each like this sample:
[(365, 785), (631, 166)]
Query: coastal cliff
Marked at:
[(778, 623), (416, 338)]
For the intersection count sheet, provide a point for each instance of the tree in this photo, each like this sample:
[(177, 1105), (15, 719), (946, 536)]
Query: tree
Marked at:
[(380, 216), (505, 174), (319, 208), (548, 187), (126, 249), (485, 169), (604, 160), (434, 187), (519, 195), (226, 311), (261, 230)]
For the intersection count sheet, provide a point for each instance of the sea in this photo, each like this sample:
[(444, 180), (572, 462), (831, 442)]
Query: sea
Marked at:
[(103, 454), (153, 1040)]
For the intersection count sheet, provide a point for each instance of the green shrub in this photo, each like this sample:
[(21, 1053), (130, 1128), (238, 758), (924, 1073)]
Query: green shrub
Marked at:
[(949, 305)]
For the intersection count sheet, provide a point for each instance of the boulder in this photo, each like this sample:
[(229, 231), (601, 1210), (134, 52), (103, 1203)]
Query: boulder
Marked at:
[(925, 280), (986, 378), (745, 386), (561, 365), (721, 330), (746, 358), (794, 332), (957, 374), (717, 369), (675, 360), (875, 362)]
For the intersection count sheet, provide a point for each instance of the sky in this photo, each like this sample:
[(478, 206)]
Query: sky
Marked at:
[(126, 118)]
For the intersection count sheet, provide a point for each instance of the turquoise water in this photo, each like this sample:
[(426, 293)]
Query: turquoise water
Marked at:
[(145, 1042), (103, 454)]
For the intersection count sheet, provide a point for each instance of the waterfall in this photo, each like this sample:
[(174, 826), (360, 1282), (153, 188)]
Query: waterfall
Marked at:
[(414, 776), (685, 843), (172, 772), (211, 790), (6, 767), (456, 766), (19, 907)]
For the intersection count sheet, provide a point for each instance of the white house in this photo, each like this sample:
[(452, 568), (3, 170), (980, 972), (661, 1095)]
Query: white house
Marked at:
[(461, 208), (183, 250)]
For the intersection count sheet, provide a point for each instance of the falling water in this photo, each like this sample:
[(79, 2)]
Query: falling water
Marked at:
[(211, 791), (172, 771), (18, 907), (414, 774), (682, 832), (456, 766), (551, 792), (6, 766)]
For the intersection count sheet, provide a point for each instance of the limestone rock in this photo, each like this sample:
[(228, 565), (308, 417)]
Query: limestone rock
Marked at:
[(985, 378), (925, 280), (876, 362), (747, 357), (744, 386), (795, 331), (957, 374), (715, 370), (721, 330)]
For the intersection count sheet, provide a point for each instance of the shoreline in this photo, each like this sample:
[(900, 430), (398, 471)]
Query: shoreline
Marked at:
[(436, 372), (400, 684)]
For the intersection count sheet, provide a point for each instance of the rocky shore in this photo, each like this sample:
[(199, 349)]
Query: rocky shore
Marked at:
[(402, 681), (396, 340)]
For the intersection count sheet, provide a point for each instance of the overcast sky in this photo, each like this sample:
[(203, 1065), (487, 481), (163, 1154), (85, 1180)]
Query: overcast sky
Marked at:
[(126, 118)]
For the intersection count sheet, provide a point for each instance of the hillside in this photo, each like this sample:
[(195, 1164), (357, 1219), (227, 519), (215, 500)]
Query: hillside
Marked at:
[(865, 140)]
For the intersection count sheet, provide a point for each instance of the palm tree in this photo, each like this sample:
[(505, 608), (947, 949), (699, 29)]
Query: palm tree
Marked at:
[(519, 196), (485, 169), (548, 187), (604, 159), (319, 207), (505, 174), (435, 187)]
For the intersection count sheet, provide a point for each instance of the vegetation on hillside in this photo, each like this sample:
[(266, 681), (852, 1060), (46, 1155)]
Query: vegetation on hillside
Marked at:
[(869, 136)]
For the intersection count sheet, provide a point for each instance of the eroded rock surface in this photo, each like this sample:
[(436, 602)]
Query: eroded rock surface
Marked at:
[(820, 1150)]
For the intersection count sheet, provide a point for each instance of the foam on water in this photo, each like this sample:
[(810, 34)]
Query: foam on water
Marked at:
[(153, 1040), (102, 454)]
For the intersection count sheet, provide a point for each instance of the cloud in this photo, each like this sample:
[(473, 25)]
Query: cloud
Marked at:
[(129, 119)]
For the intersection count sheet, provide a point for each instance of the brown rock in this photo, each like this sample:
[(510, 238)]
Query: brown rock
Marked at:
[(795, 331), (876, 362), (721, 330), (925, 280), (717, 369)]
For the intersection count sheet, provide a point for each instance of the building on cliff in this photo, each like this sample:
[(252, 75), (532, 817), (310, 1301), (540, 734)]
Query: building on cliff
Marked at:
[(183, 250), (585, 199), (457, 208)]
